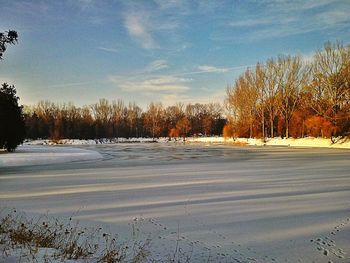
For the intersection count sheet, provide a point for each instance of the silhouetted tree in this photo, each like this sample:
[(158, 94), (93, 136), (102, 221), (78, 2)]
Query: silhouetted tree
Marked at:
[(9, 37), (12, 131)]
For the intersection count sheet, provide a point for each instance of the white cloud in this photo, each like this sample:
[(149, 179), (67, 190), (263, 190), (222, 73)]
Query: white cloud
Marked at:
[(107, 49), (213, 97), (70, 84), (156, 65), (166, 4), (250, 22), (161, 84), (281, 18), (204, 69), (297, 5), (208, 97), (334, 17), (209, 69), (172, 99), (137, 27)]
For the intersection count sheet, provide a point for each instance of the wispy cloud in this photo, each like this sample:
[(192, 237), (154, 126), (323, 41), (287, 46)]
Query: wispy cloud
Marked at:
[(70, 84), (137, 27), (156, 65), (32, 8), (155, 25), (208, 97), (168, 4), (171, 99), (210, 69), (286, 6), (250, 22), (332, 18), (161, 84), (323, 21), (212, 97), (169, 88), (280, 18), (108, 49), (204, 69)]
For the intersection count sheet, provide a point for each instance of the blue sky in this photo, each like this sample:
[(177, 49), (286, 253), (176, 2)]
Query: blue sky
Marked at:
[(167, 51)]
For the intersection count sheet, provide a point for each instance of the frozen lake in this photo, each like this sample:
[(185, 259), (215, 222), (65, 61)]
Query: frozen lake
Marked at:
[(224, 203)]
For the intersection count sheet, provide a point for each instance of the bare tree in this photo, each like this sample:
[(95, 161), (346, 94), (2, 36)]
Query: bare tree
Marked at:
[(118, 112), (256, 79), (242, 100), (173, 114), (330, 87), (133, 116), (102, 114), (271, 101), (154, 117), (183, 126), (292, 78)]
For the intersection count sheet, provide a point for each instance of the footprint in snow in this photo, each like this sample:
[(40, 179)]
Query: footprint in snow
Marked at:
[(327, 246)]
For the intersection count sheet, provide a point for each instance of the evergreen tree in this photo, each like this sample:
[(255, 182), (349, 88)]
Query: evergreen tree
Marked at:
[(9, 37), (12, 126)]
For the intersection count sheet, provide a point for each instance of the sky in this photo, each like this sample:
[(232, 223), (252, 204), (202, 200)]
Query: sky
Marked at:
[(156, 50)]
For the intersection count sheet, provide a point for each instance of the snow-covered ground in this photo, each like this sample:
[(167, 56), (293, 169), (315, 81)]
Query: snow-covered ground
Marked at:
[(227, 204), (95, 141), (291, 142), (38, 155), (300, 142)]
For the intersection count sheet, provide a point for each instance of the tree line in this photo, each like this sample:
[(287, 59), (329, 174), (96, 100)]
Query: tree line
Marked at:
[(285, 96), (109, 119), (290, 97)]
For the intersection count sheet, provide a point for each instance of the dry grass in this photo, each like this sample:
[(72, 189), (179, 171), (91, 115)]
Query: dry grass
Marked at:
[(26, 237), (47, 239)]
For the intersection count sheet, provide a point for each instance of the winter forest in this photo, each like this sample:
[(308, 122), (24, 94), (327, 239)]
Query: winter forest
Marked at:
[(107, 119), (286, 96)]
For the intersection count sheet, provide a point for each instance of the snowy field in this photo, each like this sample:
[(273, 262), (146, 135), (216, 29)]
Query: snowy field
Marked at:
[(36, 155), (222, 203), (308, 142)]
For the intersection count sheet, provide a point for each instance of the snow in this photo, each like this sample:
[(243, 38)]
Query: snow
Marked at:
[(95, 141), (42, 255), (227, 203), (291, 142), (39, 155)]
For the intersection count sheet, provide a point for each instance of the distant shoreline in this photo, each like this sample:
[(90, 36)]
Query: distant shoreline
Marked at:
[(309, 142)]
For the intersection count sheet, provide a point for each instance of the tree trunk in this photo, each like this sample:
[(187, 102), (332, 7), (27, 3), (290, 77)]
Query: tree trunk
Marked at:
[(303, 130), (263, 124), (251, 129), (271, 128)]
